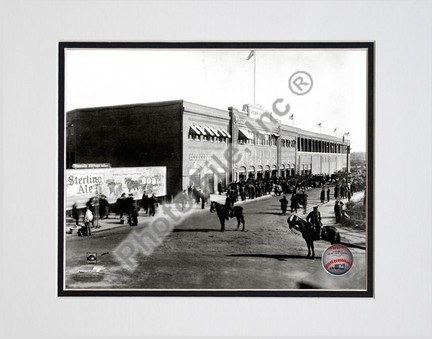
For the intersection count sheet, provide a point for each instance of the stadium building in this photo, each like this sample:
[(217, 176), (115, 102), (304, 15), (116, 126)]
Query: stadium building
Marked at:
[(199, 145)]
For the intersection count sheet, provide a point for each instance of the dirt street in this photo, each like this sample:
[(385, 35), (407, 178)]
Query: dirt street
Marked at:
[(196, 255)]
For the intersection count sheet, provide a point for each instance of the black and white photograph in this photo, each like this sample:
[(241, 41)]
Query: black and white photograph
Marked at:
[(215, 168), (222, 169)]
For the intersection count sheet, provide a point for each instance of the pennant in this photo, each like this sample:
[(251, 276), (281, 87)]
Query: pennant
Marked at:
[(291, 117), (251, 54), (319, 125)]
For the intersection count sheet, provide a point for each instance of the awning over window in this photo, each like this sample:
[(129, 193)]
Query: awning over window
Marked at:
[(244, 134), (226, 133), (209, 131), (203, 132), (214, 130), (222, 133), (194, 130)]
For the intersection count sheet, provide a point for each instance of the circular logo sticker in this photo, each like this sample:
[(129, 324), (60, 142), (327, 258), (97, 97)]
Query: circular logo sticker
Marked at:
[(337, 259)]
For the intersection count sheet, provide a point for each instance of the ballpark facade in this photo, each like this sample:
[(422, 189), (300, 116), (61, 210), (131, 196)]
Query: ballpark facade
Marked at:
[(198, 144)]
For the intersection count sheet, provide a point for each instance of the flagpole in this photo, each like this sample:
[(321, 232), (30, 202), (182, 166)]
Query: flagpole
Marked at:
[(254, 75)]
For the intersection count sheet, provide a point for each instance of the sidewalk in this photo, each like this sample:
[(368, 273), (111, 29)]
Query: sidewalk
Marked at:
[(113, 220), (350, 235)]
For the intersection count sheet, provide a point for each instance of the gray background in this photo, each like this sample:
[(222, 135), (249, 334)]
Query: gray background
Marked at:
[(30, 31)]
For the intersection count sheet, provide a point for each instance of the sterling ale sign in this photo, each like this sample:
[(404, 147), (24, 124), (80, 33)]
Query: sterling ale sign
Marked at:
[(82, 184)]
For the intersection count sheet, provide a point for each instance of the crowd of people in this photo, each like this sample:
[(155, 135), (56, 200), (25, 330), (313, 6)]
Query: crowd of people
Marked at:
[(251, 188), (126, 207), (296, 185)]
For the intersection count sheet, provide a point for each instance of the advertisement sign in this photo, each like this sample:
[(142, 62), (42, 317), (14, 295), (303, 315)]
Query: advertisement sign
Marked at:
[(82, 184)]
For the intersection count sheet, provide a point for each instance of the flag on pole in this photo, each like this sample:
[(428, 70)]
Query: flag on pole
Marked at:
[(251, 54), (346, 134), (335, 130), (319, 125), (291, 117)]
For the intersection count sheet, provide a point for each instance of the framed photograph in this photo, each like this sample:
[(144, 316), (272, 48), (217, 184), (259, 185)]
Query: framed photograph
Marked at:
[(216, 169)]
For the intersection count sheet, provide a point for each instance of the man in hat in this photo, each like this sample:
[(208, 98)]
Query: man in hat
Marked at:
[(314, 218), (220, 187), (152, 205), (322, 195), (129, 207), (103, 207), (120, 207), (284, 204), (88, 219), (338, 211), (294, 203)]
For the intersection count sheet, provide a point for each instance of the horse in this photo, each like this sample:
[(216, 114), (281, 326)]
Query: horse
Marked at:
[(222, 214), (328, 233), (307, 231)]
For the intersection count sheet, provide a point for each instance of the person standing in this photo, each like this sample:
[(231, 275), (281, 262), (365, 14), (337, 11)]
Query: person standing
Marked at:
[(284, 204), (338, 211), (328, 194), (314, 218), (88, 219), (195, 194), (134, 214), (182, 198), (103, 207), (129, 207), (243, 192), (75, 213), (144, 202), (120, 207), (152, 205), (90, 205), (294, 203), (305, 196), (189, 191), (322, 196), (251, 191), (219, 187), (203, 197)]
